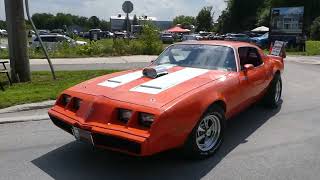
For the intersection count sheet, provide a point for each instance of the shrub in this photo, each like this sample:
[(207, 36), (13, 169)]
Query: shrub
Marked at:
[(150, 40), (313, 48), (315, 29)]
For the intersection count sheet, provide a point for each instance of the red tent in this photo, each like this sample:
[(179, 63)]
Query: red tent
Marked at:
[(178, 29)]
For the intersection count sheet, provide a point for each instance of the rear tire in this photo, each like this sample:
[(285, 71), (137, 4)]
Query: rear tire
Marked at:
[(273, 97), (207, 135)]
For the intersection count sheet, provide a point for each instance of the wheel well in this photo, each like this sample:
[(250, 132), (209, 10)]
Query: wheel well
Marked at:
[(219, 103)]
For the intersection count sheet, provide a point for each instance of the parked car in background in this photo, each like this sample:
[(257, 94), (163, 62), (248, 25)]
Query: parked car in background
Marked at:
[(3, 32), (204, 35), (44, 32), (95, 34), (107, 34), (167, 38), (238, 37), (58, 31), (261, 41), (192, 37), (53, 40)]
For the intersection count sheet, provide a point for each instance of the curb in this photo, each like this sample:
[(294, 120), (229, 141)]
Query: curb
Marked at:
[(27, 107), (23, 119)]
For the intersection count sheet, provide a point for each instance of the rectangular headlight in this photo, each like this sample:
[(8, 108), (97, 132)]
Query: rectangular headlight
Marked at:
[(124, 115), (146, 119)]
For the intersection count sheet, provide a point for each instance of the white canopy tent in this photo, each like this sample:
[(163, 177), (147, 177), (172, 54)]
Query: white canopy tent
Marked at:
[(261, 29)]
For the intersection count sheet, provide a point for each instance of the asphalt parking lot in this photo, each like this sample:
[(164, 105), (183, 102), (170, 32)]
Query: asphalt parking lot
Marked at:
[(260, 144)]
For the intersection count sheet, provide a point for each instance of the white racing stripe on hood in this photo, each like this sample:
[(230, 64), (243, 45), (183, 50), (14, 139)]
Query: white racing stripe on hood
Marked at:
[(127, 78), (121, 80), (163, 83)]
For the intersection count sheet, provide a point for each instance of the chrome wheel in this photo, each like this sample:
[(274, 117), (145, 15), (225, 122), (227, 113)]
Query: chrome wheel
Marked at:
[(278, 91), (208, 132)]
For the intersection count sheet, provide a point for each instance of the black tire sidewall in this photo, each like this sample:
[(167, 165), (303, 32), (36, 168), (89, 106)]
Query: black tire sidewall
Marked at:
[(191, 146), (270, 97)]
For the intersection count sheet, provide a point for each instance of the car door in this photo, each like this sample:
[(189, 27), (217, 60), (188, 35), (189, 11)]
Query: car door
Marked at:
[(252, 81)]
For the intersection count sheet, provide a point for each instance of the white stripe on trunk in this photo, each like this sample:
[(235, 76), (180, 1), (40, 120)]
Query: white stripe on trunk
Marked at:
[(163, 83), (121, 80)]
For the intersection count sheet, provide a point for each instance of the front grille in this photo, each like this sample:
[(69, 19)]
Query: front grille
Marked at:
[(61, 124), (117, 143)]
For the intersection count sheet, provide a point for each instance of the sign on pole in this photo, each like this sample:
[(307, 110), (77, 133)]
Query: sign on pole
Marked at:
[(277, 48), (127, 7)]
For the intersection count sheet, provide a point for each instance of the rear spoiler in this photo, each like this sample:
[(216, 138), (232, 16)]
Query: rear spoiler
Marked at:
[(279, 58)]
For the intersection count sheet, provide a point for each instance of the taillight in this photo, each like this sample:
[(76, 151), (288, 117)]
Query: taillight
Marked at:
[(77, 103), (65, 99)]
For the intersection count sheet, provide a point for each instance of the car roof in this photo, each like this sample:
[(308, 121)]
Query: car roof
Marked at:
[(234, 44), (52, 35)]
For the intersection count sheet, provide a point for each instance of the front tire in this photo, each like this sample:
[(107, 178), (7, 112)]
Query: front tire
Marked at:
[(273, 97), (207, 135)]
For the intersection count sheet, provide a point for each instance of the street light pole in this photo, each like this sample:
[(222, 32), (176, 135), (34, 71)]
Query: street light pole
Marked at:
[(17, 40)]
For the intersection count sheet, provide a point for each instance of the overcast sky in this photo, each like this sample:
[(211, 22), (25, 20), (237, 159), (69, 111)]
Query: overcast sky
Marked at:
[(162, 9)]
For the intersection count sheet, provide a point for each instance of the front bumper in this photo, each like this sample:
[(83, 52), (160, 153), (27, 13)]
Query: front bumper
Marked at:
[(106, 137)]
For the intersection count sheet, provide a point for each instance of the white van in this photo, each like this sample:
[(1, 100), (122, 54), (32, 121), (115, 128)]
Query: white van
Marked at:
[(51, 41)]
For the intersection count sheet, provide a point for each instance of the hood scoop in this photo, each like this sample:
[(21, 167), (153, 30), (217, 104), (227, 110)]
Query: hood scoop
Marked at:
[(155, 72)]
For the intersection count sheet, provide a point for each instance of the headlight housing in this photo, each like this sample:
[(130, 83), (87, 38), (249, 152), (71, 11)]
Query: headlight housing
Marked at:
[(124, 115), (146, 119)]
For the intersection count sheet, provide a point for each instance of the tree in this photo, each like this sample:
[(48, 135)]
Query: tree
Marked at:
[(205, 19), (94, 22), (3, 24), (135, 20), (315, 29), (43, 20), (105, 25), (185, 21)]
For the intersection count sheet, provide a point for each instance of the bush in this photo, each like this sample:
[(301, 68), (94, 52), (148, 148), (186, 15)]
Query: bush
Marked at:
[(315, 29), (313, 48), (148, 43), (152, 44)]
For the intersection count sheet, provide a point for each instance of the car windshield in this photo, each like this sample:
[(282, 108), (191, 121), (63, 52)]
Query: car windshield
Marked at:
[(213, 57), (266, 35)]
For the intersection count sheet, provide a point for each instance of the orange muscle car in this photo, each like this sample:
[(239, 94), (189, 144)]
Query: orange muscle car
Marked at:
[(182, 100)]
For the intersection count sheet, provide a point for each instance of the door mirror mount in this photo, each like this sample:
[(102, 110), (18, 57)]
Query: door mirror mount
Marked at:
[(248, 67)]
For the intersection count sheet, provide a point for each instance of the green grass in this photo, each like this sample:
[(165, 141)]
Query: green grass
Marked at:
[(43, 87)]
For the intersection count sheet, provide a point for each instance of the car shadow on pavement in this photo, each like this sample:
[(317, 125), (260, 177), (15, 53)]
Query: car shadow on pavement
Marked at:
[(80, 161)]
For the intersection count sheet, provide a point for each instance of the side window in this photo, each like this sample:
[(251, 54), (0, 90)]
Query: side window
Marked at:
[(249, 55), (45, 39), (60, 39)]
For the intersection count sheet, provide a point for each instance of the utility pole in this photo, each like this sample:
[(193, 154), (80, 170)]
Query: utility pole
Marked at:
[(17, 40)]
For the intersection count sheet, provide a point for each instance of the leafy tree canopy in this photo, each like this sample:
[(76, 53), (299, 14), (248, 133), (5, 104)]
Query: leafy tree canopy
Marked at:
[(205, 19)]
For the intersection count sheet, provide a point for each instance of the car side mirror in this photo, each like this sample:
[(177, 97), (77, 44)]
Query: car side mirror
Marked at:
[(248, 67)]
